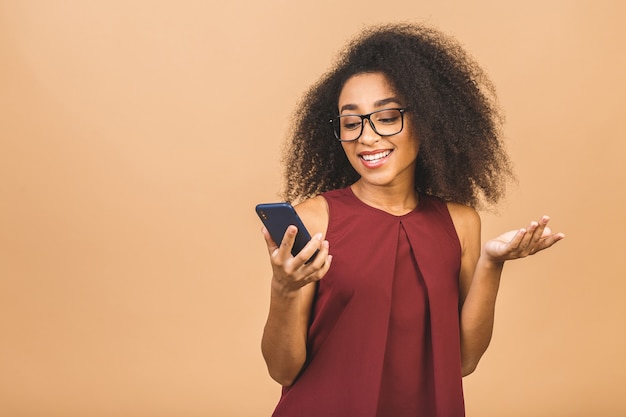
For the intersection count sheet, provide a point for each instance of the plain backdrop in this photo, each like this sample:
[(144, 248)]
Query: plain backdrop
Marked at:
[(137, 136)]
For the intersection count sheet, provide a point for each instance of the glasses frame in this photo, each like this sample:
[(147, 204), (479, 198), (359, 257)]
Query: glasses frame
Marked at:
[(367, 117)]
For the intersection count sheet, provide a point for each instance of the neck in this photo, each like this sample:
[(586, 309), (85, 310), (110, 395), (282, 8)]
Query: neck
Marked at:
[(397, 200)]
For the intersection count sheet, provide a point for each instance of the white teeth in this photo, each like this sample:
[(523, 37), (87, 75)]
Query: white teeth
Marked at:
[(376, 156)]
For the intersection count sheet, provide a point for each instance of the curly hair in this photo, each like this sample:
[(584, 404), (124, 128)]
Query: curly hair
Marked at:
[(453, 112)]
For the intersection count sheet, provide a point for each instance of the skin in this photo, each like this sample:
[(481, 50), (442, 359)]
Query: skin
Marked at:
[(389, 184)]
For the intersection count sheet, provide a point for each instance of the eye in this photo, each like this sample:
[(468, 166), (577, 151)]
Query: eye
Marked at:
[(388, 120), (350, 122), (351, 126)]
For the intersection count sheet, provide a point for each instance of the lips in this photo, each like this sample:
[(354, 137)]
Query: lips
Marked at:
[(373, 159), (374, 156)]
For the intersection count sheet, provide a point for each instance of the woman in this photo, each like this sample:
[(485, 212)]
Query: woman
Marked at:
[(392, 151)]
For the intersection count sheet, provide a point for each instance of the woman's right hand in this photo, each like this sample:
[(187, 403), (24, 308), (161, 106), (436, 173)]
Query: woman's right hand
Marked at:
[(290, 273)]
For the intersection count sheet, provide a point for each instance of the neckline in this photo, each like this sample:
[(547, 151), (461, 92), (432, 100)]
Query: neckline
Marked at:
[(418, 207)]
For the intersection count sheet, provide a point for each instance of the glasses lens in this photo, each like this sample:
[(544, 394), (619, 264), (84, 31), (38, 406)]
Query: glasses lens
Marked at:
[(348, 127), (387, 122)]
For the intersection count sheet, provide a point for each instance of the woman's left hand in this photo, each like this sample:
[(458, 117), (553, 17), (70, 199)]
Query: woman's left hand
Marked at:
[(522, 242)]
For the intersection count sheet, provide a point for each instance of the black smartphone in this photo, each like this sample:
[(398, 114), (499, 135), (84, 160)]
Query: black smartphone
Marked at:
[(277, 217)]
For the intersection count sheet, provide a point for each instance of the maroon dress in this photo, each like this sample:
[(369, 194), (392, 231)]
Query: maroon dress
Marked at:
[(384, 334)]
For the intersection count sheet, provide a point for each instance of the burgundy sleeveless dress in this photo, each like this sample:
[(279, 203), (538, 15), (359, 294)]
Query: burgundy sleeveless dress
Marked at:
[(384, 334)]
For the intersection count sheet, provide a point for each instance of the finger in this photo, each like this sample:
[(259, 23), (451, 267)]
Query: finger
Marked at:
[(517, 239), (324, 269), (284, 250), (528, 239), (312, 246), (271, 245), (327, 263), (541, 226), (319, 270), (548, 241), (540, 229), (320, 258)]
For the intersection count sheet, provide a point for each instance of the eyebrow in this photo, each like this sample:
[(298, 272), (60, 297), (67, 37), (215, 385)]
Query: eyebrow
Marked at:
[(378, 103)]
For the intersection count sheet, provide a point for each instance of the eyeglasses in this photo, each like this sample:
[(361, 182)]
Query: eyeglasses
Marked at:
[(386, 122)]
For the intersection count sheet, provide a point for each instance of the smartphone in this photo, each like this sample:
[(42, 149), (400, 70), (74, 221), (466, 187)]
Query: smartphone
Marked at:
[(277, 217)]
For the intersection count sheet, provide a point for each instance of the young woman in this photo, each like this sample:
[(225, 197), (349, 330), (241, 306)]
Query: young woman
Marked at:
[(391, 153)]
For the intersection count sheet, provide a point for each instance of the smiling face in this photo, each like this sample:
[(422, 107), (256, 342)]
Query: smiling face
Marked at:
[(380, 160)]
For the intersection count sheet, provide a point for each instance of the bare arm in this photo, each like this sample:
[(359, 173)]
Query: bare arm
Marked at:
[(479, 281), (480, 275), (292, 291)]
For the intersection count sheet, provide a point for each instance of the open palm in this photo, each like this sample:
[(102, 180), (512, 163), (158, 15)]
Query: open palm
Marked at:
[(521, 243)]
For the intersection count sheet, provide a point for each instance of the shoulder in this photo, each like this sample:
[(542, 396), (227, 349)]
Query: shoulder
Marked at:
[(463, 214), (314, 214), (466, 222)]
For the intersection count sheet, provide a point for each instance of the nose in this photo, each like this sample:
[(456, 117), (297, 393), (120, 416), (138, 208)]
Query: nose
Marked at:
[(368, 135)]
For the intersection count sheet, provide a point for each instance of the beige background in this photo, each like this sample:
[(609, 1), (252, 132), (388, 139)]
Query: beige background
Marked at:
[(136, 138)]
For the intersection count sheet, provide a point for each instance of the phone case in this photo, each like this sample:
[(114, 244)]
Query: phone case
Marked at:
[(277, 217)]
